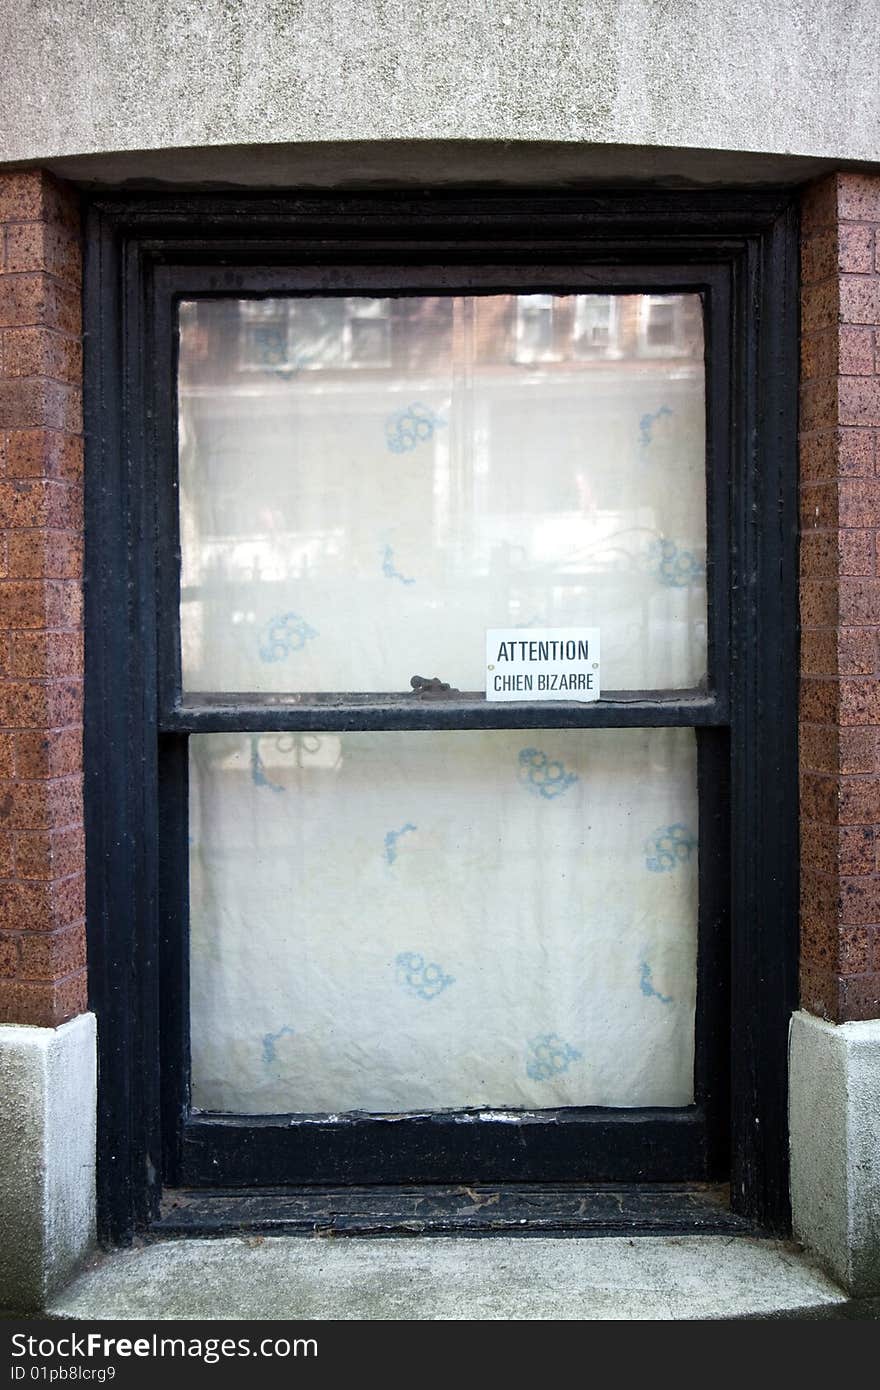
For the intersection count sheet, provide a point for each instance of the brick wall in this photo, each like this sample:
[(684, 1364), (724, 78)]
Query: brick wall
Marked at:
[(840, 598), (42, 936)]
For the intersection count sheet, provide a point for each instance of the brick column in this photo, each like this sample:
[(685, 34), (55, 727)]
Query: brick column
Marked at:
[(840, 598), (42, 934)]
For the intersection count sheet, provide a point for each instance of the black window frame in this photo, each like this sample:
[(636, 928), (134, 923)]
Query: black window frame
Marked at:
[(144, 254)]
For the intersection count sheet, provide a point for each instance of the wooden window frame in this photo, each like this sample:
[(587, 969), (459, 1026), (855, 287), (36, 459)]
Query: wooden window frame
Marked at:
[(738, 251)]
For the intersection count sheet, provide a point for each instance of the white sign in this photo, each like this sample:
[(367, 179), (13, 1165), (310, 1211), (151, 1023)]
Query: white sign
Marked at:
[(542, 663)]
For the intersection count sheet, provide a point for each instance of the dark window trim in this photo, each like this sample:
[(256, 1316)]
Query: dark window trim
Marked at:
[(748, 240)]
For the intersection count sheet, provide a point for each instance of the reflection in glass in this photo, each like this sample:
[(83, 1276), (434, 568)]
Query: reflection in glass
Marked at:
[(367, 484), (412, 921)]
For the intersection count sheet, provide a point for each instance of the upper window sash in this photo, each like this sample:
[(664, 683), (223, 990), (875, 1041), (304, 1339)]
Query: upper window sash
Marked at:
[(374, 290)]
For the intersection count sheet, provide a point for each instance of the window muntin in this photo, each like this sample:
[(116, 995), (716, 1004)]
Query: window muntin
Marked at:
[(397, 922), (343, 532)]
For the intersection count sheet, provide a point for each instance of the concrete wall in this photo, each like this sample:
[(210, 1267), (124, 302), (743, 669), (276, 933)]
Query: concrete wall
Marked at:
[(789, 77), (834, 1117), (47, 1159)]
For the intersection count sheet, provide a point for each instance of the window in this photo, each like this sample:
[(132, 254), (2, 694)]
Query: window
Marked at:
[(665, 325), (339, 538), (401, 933), (596, 325)]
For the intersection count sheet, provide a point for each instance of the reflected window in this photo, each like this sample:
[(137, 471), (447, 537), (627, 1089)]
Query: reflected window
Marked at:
[(663, 325), (534, 337), (595, 325), (295, 335)]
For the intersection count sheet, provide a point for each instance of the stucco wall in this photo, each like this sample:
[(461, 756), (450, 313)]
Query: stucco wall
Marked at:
[(779, 76)]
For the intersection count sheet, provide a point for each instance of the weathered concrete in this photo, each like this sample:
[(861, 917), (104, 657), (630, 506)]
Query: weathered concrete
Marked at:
[(834, 1123), (781, 76), (448, 1278), (47, 1157)]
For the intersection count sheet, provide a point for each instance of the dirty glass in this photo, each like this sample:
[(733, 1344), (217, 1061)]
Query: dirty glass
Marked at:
[(396, 922), (368, 484)]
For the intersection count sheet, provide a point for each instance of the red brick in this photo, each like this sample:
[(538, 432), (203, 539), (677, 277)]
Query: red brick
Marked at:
[(819, 602), (819, 455), (42, 753), (820, 306), (859, 997), (819, 918), (46, 654), (854, 949), (819, 700), (819, 256), (9, 955), (820, 799), (819, 554), (39, 704), (34, 298), (819, 356), (833, 850), (46, 854), (860, 701), (34, 352), (859, 400), (860, 902), (856, 249), (856, 552), (41, 246), (859, 801), (819, 402), (44, 453), (856, 849), (819, 990), (858, 197), (818, 658), (819, 748), (40, 805), (857, 651), (29, 504), (52, 955), (856, 351), (857, 749), (819, 849), (28, 402), (855, 457), (43, 1004), (39, 603), (819, 504), (860, 602), (858, 502), (859, 299), (44, 554), (22, 196), (819, 205), (42, 906)]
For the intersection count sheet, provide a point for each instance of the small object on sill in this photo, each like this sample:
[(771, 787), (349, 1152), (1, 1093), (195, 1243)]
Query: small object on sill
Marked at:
[(432, 689)]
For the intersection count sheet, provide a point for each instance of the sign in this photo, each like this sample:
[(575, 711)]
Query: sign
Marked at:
[(542, 663)]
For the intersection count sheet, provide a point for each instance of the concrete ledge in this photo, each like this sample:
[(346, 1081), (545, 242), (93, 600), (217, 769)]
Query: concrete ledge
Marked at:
[(47, 1161), (499, 1277), (834, 1123)]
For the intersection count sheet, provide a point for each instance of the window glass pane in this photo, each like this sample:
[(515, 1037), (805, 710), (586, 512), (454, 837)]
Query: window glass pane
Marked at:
[(409, 921), (367, 485)]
